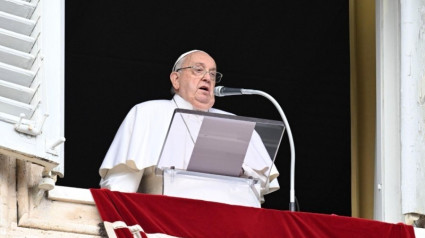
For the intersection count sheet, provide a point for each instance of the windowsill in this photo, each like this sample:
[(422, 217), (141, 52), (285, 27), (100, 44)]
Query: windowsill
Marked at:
[(419, 232), (71, 195)]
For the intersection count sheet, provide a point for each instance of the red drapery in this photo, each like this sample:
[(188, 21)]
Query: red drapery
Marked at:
[(194, 218)]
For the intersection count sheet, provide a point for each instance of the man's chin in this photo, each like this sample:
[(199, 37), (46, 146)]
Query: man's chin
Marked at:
[(204, 105)]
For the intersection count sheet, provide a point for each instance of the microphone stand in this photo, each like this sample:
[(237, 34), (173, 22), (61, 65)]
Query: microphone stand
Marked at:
[(291, 144)]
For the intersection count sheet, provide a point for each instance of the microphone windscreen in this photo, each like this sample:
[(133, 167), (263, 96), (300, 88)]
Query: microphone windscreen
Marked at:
[(217, 91)]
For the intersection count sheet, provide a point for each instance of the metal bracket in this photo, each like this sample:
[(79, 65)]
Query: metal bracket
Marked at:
[(52, 148), (29, 129), (47, 181)]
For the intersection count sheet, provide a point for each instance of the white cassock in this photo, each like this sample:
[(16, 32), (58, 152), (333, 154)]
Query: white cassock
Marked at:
[(136, 148)]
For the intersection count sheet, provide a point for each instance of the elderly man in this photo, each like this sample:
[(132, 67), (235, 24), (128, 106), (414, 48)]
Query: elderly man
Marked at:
[(129, 165)]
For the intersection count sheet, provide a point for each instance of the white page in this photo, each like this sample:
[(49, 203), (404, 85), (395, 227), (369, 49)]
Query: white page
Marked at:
[(221, 146)]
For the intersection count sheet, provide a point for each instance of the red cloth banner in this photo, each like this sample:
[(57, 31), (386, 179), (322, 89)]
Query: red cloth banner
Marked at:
[(195, 218)]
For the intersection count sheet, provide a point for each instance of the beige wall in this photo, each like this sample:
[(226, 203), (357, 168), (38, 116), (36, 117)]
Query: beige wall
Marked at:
[(363, 105), (25, 211)]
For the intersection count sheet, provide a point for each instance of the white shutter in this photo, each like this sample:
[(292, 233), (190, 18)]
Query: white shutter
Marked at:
[(32, 81)]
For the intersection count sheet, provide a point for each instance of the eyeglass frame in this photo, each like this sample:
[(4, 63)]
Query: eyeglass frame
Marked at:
[(205, 72)]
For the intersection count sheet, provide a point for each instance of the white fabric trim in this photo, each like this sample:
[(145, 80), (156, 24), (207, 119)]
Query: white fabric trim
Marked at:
[(159, 235), (110, 227)]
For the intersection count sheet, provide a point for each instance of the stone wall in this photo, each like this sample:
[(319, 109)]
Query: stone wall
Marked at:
[(27, 211)]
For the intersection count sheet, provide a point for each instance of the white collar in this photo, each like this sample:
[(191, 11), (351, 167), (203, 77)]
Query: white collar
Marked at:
[(181, 103)]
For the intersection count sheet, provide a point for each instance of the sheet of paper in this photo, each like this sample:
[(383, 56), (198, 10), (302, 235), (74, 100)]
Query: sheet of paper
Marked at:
[(221, 146)]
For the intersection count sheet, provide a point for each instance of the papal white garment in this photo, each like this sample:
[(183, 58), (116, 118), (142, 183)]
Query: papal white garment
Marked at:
[(136, 148)]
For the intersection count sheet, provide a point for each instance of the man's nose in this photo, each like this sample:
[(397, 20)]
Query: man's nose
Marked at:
[(207, 76)]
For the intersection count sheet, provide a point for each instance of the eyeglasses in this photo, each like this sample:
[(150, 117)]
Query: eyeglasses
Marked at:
[(200, 71)]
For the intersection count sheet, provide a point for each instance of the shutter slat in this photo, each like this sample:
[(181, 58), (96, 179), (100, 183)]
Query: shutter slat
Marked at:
[(16, 24), (15, 108), (16, 58), (16, 92), (16, 75), (16, 41), (18, 8)]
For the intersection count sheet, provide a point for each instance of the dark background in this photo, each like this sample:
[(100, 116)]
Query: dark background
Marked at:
[(120, 53)]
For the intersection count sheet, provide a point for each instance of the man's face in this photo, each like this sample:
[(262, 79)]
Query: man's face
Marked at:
[(196, 89)]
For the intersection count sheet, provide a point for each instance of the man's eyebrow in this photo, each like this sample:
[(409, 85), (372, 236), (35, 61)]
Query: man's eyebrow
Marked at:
[(203, 65)]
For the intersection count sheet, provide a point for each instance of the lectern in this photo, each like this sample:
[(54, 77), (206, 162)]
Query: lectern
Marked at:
[(203, 155)]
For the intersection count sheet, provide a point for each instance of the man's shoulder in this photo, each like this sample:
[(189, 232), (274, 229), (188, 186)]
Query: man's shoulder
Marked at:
[(152, 104), (152, 108)]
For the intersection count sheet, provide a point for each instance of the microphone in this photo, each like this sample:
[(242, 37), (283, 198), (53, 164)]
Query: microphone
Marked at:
[(221, 91)]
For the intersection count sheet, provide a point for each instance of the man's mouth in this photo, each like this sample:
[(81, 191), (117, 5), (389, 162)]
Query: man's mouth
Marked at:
[(205, 88)]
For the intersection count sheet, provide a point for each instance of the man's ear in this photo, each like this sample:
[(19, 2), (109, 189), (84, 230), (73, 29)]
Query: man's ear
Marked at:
[(174, 78)]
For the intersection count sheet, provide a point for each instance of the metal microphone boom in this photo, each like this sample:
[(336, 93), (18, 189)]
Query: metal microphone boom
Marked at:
[(222, 91)]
